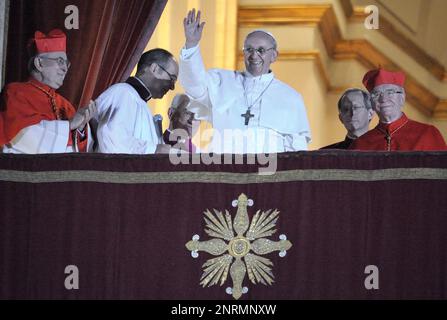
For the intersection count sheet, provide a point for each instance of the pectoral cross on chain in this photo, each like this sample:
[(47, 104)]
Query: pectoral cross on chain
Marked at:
[(247, 115), (388, 141)]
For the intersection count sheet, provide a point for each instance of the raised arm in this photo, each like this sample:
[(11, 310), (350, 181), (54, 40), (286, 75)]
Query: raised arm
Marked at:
[(193, 76), (193, 28)]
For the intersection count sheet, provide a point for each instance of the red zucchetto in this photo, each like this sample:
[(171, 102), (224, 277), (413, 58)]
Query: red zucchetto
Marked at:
[(55, 40), (374, 78)]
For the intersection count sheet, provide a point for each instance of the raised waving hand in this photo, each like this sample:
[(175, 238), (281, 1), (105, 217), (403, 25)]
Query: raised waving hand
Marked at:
[(193, 28)]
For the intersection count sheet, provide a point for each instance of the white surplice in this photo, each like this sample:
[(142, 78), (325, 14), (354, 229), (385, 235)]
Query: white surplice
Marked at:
[(44, 137), (280, 121), (125, 122)]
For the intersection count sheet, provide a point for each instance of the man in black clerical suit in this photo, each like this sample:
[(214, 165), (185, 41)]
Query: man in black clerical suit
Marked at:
[(355, 112)]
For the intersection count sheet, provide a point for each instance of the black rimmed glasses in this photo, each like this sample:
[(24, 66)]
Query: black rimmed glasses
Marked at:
[(386, 93), (260, 51), (61, 62), (172, 77), (353, 109)]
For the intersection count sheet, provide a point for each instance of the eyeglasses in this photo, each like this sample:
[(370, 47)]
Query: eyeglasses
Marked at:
[(353, 109), (61, 62), (172, 77), (260, 51), (386, 93)]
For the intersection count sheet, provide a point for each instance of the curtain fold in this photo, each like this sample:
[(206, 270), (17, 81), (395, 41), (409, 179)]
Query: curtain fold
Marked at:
[(112, 35)]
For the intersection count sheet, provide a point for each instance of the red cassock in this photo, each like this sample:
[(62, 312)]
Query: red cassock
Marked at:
[(403, 135), (25, 104)]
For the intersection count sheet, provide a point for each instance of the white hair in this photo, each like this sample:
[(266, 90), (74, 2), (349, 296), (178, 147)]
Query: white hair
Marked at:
[(179, 99)]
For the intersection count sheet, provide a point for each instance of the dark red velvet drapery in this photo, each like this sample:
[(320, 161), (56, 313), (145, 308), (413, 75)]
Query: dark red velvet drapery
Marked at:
[(112, 35), (124, 222)]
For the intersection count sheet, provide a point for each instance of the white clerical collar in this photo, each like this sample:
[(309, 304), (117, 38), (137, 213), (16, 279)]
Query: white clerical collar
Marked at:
[(149, 91), (263, 77)]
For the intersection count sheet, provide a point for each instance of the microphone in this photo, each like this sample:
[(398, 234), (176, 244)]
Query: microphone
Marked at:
[(158, 121)]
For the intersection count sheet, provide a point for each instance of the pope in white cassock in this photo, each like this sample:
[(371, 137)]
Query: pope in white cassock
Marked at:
[(124, 121), (251, 111)]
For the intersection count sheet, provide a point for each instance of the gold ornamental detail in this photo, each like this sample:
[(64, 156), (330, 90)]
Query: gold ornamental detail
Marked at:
[(238, 245)]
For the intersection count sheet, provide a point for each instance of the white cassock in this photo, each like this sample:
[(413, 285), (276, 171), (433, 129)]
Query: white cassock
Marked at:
[(44, 137), (280, 121), (125, 122)]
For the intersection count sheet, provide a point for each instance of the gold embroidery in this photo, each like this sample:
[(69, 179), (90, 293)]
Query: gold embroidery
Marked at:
[(388, 135), (250, 237)]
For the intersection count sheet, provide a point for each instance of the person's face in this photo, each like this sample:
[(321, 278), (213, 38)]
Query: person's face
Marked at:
[(387, 101), (53, 67), (259, 53), (353, 113), (182, 118), (164, 78)]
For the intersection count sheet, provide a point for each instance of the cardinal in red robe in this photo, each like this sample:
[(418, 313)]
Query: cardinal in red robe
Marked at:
[(395, 131), (34, 118)]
